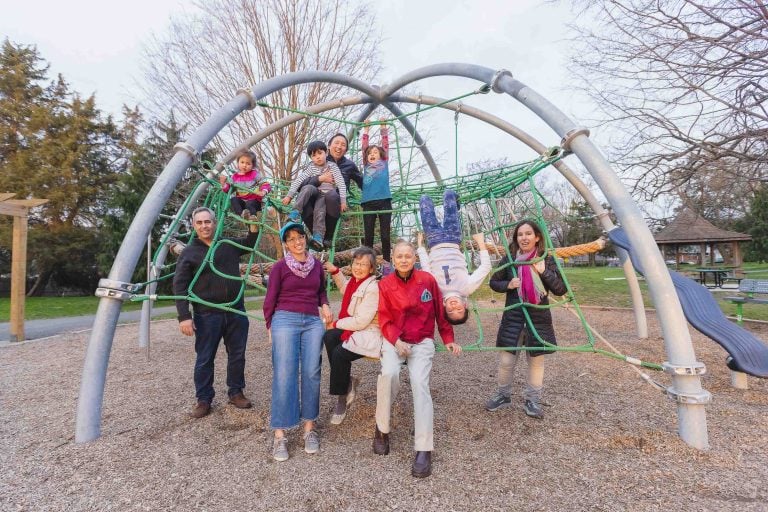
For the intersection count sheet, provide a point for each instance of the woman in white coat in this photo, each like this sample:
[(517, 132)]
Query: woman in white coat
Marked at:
[(356, 333)]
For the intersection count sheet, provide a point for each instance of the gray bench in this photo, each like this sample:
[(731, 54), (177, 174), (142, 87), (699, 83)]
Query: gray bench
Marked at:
[(755, 292)]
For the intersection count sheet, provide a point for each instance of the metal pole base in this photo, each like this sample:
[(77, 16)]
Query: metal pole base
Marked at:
[(739, 380)]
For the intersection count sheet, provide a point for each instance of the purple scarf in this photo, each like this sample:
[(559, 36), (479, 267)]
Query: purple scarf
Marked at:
[(300, 268)]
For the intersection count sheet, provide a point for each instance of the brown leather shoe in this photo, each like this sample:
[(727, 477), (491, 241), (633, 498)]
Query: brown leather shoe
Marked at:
[(240, 401), (380, 442), (202, 408), (422, 465)]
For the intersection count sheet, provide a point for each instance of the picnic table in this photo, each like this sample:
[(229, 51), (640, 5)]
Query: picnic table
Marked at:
[(755, 292), (718, 276)]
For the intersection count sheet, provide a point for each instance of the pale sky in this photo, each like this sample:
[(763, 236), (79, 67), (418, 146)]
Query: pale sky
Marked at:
[(96, 45)]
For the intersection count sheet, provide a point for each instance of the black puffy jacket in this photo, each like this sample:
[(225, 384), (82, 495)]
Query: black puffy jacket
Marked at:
[(513, 321)]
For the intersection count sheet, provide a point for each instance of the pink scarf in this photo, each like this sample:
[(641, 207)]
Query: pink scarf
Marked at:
[(531, 291)]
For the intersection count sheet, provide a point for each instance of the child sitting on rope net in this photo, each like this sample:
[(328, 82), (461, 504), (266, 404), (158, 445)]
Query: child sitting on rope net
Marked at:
[(249, 187), (521, 324), (377, 197), (445, 261), (314, 202)]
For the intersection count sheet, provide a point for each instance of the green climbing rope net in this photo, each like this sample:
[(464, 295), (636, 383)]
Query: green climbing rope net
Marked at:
[(492, 201)]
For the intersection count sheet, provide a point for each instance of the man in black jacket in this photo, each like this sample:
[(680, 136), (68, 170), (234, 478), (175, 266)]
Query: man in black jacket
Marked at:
[(337, 148), (209, 324)]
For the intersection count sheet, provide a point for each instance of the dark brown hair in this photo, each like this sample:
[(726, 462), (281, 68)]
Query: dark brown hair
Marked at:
[(458, 321), (513, 247), (382, 153), (249, 154)]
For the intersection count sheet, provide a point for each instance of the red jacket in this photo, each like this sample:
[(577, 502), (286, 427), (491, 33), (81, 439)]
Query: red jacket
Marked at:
[(409, 309)]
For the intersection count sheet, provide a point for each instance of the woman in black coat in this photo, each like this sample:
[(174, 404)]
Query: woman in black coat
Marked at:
[(533, 282)]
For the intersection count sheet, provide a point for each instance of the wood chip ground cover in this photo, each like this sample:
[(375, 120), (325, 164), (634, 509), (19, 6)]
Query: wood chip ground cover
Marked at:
[(608, 441)]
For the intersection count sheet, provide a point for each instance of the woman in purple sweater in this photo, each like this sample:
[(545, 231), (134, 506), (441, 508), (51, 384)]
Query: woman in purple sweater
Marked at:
[(295, 291)]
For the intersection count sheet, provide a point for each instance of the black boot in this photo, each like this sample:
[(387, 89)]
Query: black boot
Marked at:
[(380, 442), (422, 465)]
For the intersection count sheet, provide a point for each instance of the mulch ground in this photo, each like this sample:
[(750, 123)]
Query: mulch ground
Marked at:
[(608, 441)]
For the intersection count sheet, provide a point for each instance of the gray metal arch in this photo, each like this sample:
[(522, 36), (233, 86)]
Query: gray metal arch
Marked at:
[(677, 339), (687, 388), (116, 288)]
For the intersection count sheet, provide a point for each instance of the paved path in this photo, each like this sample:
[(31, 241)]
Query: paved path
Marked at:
[(38, 329)]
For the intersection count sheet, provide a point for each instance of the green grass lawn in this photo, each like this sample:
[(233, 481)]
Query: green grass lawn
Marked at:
[(593, 286), (606, 286), (54, 307), (37, 308)]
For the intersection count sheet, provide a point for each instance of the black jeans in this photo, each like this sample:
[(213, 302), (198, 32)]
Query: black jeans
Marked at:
[(210, 328), (385, 225), (238, 205), (340, 360)]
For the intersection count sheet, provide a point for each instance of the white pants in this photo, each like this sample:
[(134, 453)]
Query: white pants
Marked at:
[(419, 368)]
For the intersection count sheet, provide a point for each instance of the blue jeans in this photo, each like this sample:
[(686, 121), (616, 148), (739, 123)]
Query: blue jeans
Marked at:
[(449, 232), (297, 343), (210, 328)]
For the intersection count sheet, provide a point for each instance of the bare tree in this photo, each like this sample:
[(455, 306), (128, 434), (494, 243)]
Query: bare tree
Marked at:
[(682, 86), (206, 56), (560, 196)]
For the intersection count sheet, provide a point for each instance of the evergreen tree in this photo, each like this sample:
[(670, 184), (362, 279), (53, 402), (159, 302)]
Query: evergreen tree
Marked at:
[(756, 224), (56, 146), (144, 160), (581, 226), (23, 101)]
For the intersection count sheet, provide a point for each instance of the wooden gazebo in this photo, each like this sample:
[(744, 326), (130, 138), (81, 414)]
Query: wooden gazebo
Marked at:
[(689, 228)]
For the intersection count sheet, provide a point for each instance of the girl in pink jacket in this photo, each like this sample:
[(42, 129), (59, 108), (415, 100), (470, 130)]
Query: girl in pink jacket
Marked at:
[(249, 188)]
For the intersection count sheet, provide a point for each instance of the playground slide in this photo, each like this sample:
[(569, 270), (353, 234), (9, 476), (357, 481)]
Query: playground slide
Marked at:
[(748, 353)]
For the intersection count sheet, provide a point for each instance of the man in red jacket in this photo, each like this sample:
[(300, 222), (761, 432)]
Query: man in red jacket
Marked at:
[(410, 304)]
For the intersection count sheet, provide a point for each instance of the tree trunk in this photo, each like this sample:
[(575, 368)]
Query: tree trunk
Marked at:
[(39, 287)]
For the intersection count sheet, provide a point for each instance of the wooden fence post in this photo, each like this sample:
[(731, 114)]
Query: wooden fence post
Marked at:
[(19, 209)]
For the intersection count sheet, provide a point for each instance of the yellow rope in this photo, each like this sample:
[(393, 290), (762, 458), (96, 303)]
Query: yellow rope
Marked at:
[(581, 249), (561, 252)]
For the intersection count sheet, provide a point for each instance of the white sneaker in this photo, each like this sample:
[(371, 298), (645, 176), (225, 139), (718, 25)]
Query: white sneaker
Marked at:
[(280, 449), (336, 419), (311, 442), (338, 413)]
